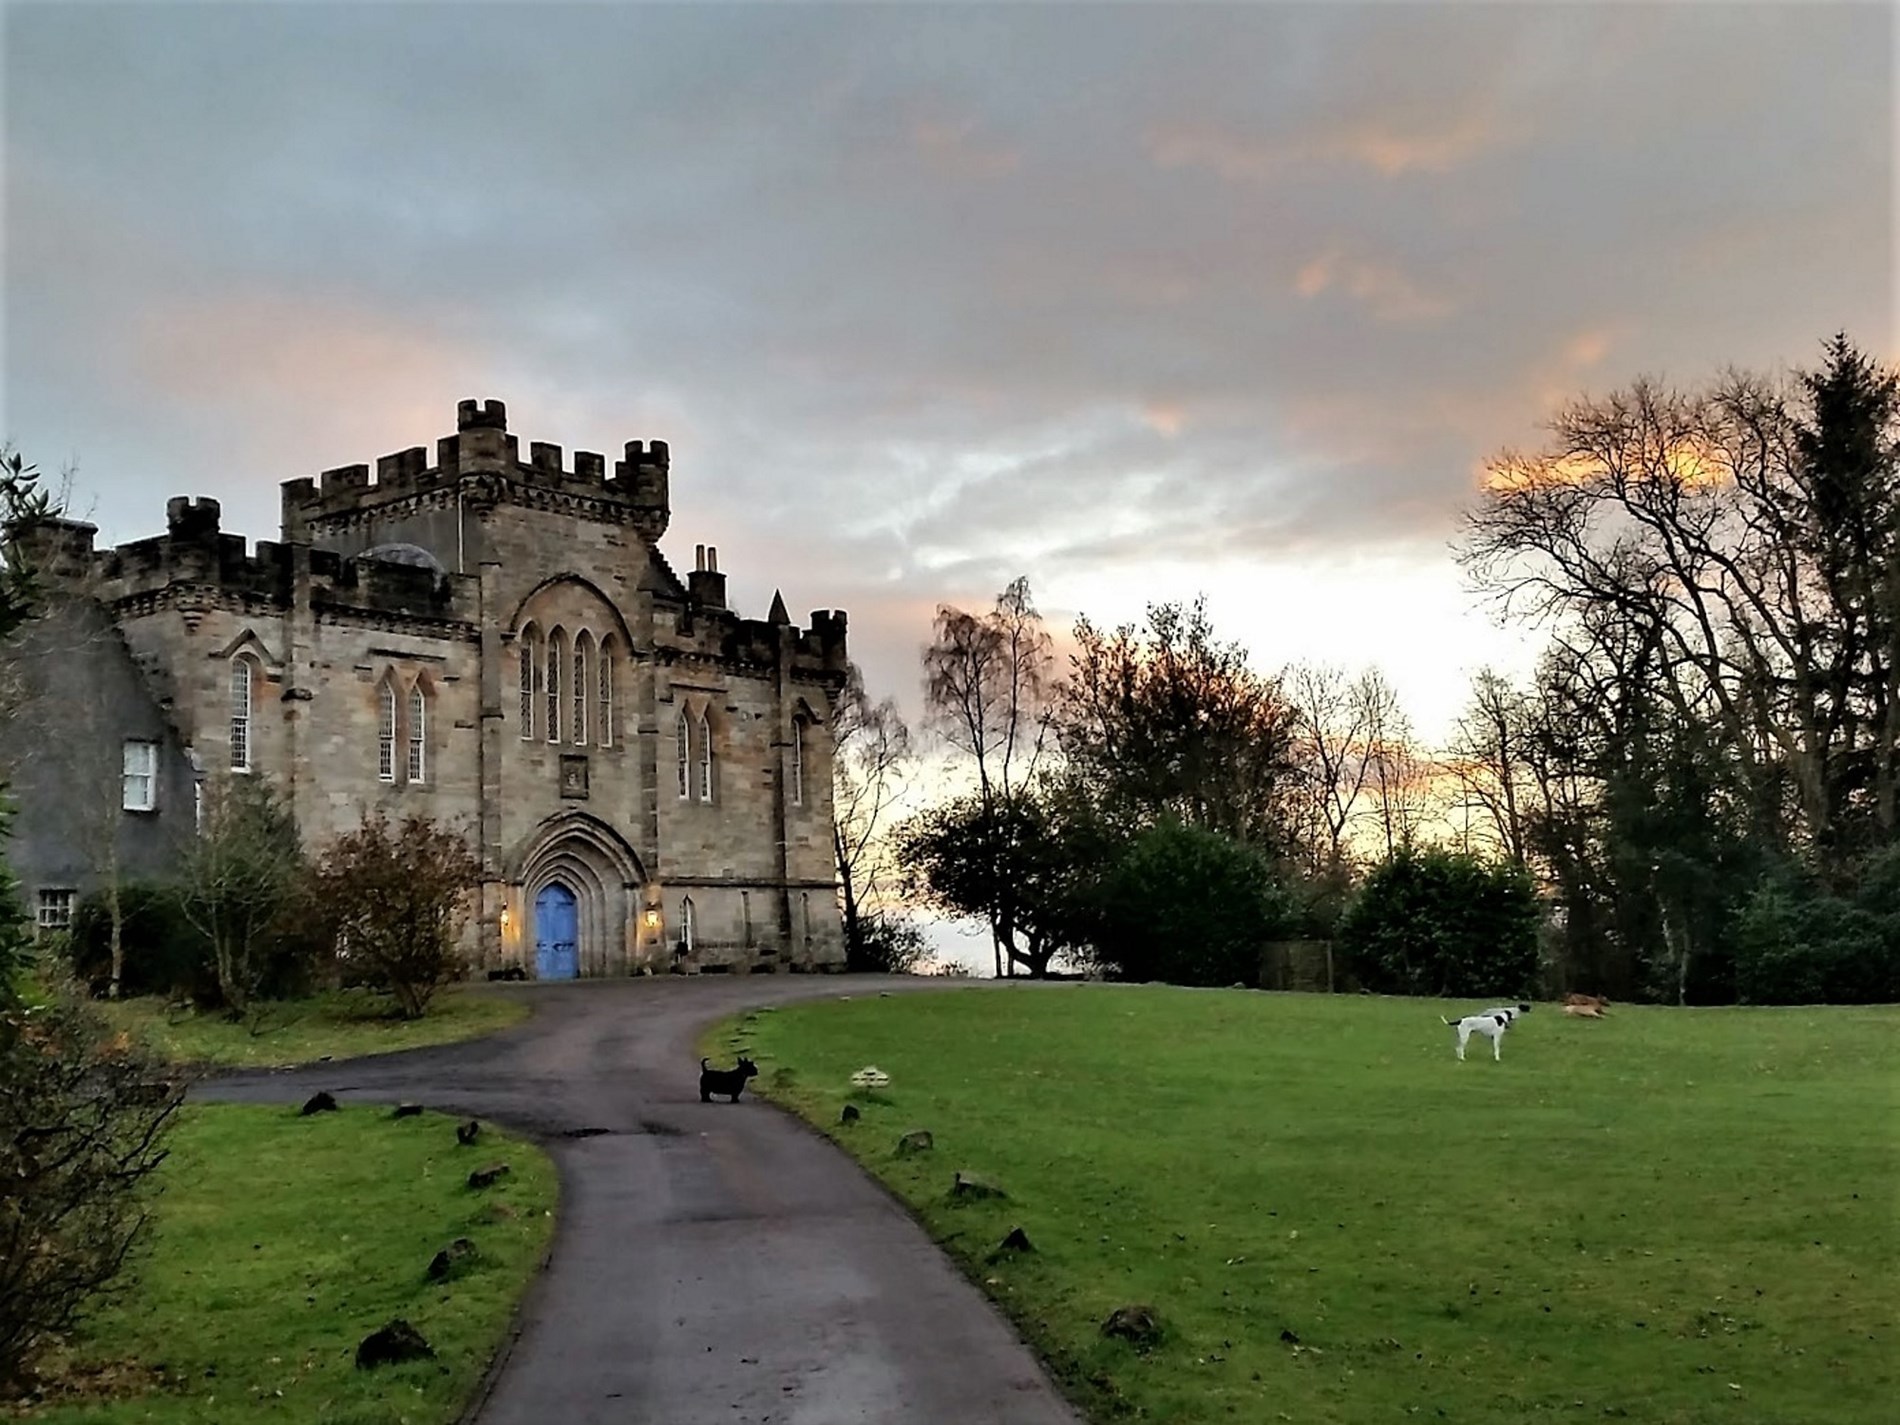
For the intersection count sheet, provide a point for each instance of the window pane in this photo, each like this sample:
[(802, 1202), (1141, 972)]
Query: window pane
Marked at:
[(683, 740), (418, 733), (386, 736), (606, 694), (554, 687), (528, 657), (580, 691), (140, 767), (241, 714), (705, 759)]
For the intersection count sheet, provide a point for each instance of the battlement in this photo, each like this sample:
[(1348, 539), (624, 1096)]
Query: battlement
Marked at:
[(195, 553), (482, 453)]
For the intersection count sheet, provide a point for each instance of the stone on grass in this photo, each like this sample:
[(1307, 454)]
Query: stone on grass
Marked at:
[(393, 1344), (488, 1176), (1016, 1242), (320, 1102), (467, 1133), (1136, 1324), (850, 1114), (406, 1110), (969, 1185), (918, 1140), (451, 1260)]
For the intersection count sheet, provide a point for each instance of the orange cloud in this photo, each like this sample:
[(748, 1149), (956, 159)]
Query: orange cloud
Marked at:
[(1388, 147), (1381, 288)]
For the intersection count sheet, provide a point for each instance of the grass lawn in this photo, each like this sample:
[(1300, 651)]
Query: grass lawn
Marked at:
[(282, 1241), (1669, 1216), (343, 1025)]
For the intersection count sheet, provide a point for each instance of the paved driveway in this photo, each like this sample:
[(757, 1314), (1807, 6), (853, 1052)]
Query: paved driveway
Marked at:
[(714, 1264)]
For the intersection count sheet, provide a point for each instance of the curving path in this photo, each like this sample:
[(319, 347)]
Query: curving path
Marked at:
[(714, 1264)]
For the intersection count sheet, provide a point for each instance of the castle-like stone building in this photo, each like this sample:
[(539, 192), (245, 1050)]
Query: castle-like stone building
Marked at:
[(495, 643)]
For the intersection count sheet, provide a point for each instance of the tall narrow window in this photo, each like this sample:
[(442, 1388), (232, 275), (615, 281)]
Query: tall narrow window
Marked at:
[(683, 745), (606, 734), (583, 643), (798, 761), (140, 776), (386, 732), (705, 759), (745, 917), (529, 653), (241, 714), (418, 734), (687, 928), (557, 652)]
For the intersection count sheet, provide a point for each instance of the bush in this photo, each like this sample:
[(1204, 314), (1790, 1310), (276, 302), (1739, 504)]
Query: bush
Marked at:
[(164, 955), (1189, 906), (885, 944), (393, 899), (1445, 924), (1797, 943)]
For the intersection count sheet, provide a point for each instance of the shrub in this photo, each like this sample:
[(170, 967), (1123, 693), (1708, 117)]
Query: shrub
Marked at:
[(393, 899), (1443, 923), (885, 944), (243, 889), (164, 954), (1189, 906), (1798, 943)]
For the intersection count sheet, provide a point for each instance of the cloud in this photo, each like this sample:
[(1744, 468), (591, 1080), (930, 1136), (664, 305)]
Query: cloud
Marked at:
[(925, 298)]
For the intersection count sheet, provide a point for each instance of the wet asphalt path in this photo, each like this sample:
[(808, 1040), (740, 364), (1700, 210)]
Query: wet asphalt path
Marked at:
[(713, 1264)]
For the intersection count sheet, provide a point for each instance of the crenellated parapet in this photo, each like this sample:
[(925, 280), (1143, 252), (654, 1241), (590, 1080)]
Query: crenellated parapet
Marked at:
[(481, 463), (196, 563)]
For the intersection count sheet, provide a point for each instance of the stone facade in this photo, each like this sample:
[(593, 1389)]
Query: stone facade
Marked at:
[(500, 645)]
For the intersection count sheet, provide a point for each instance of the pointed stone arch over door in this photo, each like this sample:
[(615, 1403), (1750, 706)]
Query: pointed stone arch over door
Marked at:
[(577, 871)]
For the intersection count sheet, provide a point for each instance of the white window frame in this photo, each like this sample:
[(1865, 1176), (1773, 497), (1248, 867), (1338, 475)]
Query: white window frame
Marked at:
[(54, 908), (386, 730), (529, 649), (583, 687), (705, 758), (688, 929), (798, 761), (138, 785), (418, 733), (606, 714), (243, 702), (683, 746)]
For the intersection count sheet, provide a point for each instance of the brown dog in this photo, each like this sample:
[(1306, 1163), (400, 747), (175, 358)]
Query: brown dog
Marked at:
[(1585, 1006)]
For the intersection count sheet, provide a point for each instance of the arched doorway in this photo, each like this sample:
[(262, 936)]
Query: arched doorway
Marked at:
[(556, 933), (577, 875)]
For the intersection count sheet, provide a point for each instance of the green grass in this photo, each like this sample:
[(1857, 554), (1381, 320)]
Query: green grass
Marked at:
[(341, 1025), (282, 1241), (1670, 1216)]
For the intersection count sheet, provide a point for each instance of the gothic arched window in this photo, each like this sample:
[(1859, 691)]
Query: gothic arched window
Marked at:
[(386, 731), (798, 761), (683, 746), (583, 689), (243, 681), (418, 733), (705, 759), (529, 653), (557, 655), (606, 714)]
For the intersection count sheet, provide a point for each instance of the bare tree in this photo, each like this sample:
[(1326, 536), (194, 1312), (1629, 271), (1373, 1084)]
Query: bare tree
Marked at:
[(1398, 777), (1331, 737), (240, 879), (1488, 761), (988, 680), (869, 773)]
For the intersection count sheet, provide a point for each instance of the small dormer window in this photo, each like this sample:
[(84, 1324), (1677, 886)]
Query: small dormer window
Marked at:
[(140, 780)]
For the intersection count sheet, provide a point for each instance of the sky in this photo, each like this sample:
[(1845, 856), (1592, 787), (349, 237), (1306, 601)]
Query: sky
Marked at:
[(1143, 302)]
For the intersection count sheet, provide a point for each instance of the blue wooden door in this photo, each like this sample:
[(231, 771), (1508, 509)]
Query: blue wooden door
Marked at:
[(556, 934)]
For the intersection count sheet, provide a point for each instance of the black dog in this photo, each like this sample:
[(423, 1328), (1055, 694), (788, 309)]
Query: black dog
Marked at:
[(712, 1081), (512, 972)]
